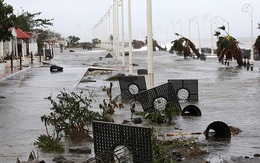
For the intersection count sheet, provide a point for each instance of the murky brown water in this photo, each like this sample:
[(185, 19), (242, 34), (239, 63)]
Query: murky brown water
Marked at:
[(226, 93)]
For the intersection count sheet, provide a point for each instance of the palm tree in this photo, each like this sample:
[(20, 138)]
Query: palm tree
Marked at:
[(257, 42), (184, 45), (227, 47)]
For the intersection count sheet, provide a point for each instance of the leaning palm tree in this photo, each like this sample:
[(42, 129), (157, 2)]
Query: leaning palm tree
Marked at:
[(227, 47), (257, 42), (184, 45)]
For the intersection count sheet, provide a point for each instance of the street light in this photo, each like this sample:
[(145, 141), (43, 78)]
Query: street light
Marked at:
[(218, 19), (195, 19), (208, 17), (108, 33), (107, 30), (150, 74), (101, 33), (123, 38), (130, 39), (114, 27), (117, 27), (249, 9)]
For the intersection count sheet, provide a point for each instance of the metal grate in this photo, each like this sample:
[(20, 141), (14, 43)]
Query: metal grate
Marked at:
[(131, 85), (150, 99), (186, 89), (107, 136)]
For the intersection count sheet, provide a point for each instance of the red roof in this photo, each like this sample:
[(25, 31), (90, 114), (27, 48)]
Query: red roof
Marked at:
[(21, 34)]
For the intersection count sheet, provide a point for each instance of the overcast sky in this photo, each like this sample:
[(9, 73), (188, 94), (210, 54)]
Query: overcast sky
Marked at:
[(77, 17)]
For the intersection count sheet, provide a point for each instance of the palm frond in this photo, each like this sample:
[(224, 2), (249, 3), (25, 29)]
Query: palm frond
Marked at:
[(184, 45), (193, 48), (257, 44), (222, 27), (178, 45), (186, 51), (217, 33), (227, 47)]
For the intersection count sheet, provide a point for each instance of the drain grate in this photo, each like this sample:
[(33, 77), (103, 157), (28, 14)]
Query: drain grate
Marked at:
[(107, 136), (155, 99), (186, 89), (131, 85)]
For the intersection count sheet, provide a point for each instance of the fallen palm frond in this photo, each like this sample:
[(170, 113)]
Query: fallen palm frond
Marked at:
[(227, 47), (257, 44), (184, 45)]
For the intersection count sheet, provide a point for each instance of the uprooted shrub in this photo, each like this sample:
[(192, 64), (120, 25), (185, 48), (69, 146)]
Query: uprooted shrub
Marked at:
[(109, 105), (71, 113)]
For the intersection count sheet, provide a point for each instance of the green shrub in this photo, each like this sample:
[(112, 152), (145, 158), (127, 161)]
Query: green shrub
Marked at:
[(70, 113), (49, 144)]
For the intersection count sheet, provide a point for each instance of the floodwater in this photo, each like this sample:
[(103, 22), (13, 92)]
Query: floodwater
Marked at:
[(226, 93)]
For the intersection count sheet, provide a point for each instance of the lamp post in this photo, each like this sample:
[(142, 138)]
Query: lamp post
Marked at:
[(114, 27), (130, 39), (101, 32), (218, 19), (117, 28), (150, 44), (109, 32), (195, 19), (249, 9), (180, 24), (208, 17), (123, 38), (103, 25)]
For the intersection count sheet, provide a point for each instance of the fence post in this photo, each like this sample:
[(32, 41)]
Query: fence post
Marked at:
[(31, 58), (20, 58), (12, 64)]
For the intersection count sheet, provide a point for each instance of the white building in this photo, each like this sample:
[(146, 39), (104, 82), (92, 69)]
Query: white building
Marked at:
[(17, 46)]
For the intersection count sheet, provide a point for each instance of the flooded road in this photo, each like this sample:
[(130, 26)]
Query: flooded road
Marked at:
[(226, 93)]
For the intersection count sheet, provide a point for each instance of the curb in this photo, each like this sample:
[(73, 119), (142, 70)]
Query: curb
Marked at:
[(10, 75)]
